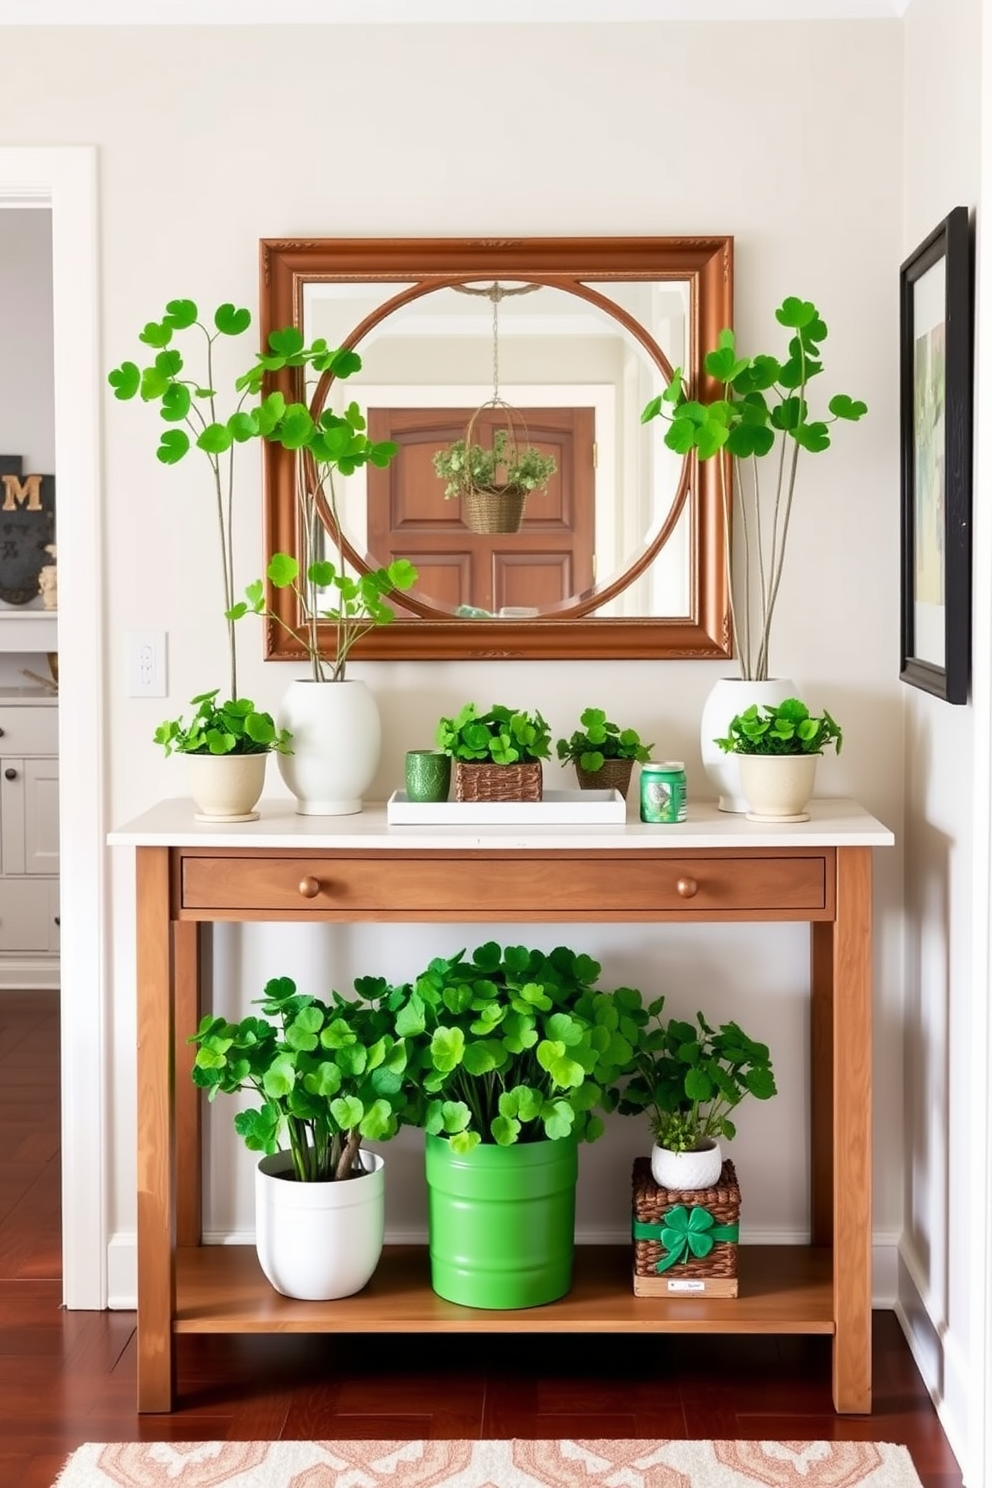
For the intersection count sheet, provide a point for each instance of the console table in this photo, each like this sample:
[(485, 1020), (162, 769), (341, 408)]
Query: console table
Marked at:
[(712, 867)]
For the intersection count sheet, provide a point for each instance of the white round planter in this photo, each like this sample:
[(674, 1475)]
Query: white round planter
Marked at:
[(690, 1170), (777, 787), (730, 696), (225, 787), (316, 1241), (336, 743)]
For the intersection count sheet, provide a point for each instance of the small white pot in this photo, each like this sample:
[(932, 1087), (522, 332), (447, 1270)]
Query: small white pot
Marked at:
[(777, 787), (316, 1241), (699, 1169), (225, 787), (336, 743), (730, 696)]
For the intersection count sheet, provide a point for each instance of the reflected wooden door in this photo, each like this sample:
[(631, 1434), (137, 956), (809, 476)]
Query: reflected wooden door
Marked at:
[(548, 560)]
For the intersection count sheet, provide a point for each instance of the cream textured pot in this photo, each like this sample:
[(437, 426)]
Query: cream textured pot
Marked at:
[(730, 696), (336, 743), (700, 1169), (316, 1241), (777, 787), (226, 787)]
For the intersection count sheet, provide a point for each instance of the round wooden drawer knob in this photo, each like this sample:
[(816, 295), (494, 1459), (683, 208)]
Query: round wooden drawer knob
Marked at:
[(687, 888), (10, 773), (309, 887)]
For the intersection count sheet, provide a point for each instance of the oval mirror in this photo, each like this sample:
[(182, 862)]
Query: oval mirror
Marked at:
[(560, 343)]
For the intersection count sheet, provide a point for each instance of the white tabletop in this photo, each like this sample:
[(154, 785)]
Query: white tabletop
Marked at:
[(833, 823)]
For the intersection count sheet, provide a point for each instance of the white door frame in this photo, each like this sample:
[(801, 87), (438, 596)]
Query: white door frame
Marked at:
[(65, 180)]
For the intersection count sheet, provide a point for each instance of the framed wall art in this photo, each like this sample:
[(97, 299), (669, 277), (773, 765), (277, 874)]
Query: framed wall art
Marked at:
[(935, 366)]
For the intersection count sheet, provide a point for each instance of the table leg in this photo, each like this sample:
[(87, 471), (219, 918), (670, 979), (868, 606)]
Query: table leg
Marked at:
[(189, 1103), (852, 1012), (156, 1134), (821, 1082)]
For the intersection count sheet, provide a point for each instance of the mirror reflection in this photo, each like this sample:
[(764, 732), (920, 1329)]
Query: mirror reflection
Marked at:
[(619, 550), (574, 380)]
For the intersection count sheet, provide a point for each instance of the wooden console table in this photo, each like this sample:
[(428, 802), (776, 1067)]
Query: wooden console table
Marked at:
[(711, 868)]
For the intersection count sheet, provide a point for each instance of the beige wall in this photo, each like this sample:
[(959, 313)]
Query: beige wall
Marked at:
[(625, 130)]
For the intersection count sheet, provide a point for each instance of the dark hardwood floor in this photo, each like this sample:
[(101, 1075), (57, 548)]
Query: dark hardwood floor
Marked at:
[(68, 1377)]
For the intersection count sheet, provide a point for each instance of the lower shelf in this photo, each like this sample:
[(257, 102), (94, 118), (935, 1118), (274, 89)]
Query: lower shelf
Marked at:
[(783, 1289)]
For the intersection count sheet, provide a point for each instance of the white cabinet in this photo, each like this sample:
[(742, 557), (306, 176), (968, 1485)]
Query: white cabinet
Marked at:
[(29, 839)]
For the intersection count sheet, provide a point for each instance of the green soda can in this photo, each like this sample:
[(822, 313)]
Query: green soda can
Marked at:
[(663, 792)]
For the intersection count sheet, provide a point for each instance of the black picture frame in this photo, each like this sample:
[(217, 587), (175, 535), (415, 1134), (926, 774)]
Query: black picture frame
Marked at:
[(936, 396)]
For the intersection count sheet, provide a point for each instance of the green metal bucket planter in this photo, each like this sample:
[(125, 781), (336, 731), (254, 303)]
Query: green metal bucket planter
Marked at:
[(502, 1222)]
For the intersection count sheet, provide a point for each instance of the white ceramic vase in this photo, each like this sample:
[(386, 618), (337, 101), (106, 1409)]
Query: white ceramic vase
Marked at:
[(777, 787), (730, 696), (336, 743), (225, 787), (676, 1170), (317, 1241)]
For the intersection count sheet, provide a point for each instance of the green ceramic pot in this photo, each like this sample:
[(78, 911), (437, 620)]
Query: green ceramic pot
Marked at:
[(502, 1222)]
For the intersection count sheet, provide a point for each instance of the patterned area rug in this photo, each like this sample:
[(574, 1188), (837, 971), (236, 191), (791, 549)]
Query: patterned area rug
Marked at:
[(489, 1464)]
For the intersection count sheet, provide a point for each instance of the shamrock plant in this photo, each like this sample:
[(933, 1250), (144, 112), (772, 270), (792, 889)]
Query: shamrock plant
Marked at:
[(189, 404), (352, 597), (760, 410), (231, 727), (689, 1077), (329, 1076), (504, 736), (785, 728), (513, 1045), (599, 740)]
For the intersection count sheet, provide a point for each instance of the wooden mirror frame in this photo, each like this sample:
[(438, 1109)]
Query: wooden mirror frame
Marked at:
[(705, 262)]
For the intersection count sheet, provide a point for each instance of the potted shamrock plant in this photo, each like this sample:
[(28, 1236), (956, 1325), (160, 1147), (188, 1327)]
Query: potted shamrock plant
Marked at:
[(777, 746), (688, 1078), (755, 415), (602, 752), (336, 729), (328, 1076), (514, 1055), (228, 741), (497, 754)]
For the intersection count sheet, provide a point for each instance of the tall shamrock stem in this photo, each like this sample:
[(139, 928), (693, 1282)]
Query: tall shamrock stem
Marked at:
[(224, 512), (725, 501)]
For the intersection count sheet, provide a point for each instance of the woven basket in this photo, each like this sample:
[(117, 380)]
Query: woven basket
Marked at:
[(717, 1271), (494, 511), (488, 782), (613, 774)]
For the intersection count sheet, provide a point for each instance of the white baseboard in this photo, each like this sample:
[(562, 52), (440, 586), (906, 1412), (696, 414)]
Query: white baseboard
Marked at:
[(122, 1272), (122, 1264), (20, 973), (942, 1365)]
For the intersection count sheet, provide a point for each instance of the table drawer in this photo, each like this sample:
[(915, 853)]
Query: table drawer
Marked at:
[(529, 885)]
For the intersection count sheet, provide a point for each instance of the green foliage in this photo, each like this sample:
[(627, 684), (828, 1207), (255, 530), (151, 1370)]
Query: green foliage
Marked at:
[(500, 468), (328, 1075), (332, 443), (187, 402), (514, 1045), (328, 445), (782, 728), (503, 736), (232, 727), (689, 1077), (599, 740), (761, 409)]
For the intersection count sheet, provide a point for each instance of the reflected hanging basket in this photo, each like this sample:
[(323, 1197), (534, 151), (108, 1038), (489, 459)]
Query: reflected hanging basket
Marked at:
[(496, 505), (494, 509)]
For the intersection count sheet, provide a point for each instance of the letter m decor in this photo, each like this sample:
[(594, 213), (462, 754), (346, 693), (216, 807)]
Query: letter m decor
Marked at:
[(27, 526)]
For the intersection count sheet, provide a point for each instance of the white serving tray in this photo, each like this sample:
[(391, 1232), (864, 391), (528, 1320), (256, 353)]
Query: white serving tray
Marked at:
[(563, 807)]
